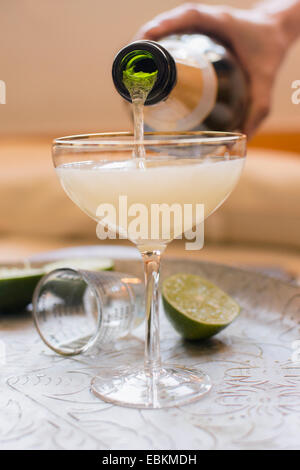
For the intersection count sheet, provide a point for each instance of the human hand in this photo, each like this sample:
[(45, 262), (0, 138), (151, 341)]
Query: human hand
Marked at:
[(254, 36)]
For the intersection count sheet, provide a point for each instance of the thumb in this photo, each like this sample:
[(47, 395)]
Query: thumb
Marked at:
[(186, 18)]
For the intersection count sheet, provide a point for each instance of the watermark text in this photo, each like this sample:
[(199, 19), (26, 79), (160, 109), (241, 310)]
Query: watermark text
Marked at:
[(296, 94), (154, 222), (2, 92), (2, 353), (296, 351)]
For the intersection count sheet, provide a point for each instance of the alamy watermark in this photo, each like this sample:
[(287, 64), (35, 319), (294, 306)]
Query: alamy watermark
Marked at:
[(2, 92), (156, 222), (2, 353), (296, 352), (296, 94)]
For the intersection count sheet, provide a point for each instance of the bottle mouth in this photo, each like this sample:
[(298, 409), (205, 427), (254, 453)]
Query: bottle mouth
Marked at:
[(148, 59)]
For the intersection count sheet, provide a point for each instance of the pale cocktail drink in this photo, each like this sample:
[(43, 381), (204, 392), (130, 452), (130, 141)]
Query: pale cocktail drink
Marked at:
[(159, 181), (177, 171)]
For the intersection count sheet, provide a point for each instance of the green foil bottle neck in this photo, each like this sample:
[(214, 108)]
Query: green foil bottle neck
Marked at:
[(145, 65)]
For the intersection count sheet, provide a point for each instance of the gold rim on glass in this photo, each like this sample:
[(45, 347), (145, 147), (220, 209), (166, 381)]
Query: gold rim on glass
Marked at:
[(191, 137)]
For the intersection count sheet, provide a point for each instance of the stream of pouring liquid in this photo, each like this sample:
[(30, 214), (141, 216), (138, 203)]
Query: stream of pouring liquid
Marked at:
[(139, 86), (138, 119)]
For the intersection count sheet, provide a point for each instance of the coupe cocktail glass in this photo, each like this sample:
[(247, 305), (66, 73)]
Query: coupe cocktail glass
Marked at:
[(179, 168)]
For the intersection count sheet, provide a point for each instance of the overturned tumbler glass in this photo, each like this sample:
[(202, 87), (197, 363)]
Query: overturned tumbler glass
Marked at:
[(74, 310)]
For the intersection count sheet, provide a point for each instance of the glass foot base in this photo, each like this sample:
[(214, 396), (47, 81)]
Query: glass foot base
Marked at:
[(167, 387)]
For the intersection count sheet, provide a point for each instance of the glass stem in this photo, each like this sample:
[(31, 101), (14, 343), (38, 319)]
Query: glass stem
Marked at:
[(152, 347)]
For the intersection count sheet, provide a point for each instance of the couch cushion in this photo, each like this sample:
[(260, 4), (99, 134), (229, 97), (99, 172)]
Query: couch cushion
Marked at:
[(264, 207)]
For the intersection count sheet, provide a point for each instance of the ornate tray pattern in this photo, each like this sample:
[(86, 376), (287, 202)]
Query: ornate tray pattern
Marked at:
[(46, 403)]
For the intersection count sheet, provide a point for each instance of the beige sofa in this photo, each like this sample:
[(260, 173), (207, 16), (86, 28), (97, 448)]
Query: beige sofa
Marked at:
[(264, 208)]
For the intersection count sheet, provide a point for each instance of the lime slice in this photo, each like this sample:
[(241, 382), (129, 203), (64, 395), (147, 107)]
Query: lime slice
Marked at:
[(92, 264), (197, 308), (17, 284), (16, 287)]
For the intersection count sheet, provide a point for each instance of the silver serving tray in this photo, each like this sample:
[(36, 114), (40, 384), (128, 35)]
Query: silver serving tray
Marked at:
[(46, 403)]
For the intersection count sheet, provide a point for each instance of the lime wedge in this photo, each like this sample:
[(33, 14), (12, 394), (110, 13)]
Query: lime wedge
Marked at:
[(88, 264), (17, 284), (16, 287), (197, 308)]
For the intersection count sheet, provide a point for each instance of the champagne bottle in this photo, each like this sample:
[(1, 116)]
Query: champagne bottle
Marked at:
[(199, 84)]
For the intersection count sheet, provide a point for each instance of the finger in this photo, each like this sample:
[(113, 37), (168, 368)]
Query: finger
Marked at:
[(258, 113), (260, 107), (186, 18)]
